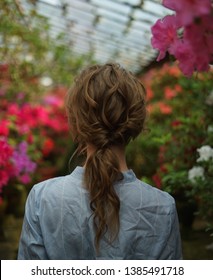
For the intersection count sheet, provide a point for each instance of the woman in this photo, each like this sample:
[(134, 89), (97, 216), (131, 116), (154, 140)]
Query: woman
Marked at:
[(101, 210)]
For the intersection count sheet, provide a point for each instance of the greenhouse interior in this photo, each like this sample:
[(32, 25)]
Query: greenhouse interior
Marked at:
[(167, 45)]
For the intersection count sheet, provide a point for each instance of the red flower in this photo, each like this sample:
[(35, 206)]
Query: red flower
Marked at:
[(176, 123), (169, 93), (161, 155), (4, 130), (163, 168), (149, 93), (178, 88), (48, 146), (157, 180), (4, 178), (6, 151), (165, 109)]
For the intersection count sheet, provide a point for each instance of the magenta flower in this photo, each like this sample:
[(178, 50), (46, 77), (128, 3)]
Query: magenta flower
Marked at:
[(23, 165), (6, 168), (164, 33), (207, 21), (4, 130), (200, 36), (182, 50), (25, 178), (193, 48), (5, 151), (53, 101), (188, 10), (4, 178)]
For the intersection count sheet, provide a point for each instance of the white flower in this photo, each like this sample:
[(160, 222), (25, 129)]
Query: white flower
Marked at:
[(14, 40), (205, 153), (28, 58), (195, 172), (209, 99), (46, 81), (210, 129)]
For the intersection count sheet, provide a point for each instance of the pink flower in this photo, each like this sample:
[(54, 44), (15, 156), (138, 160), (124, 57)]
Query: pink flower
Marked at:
[(53, 101), (188, 10), (4, 130), (200, 36), (5, 151), (207, 22), (6, 167), (183, 52), (25, 178), (194, 50), (22, 163), (4, 178), (21, 159), (164, 33), (13, 109)]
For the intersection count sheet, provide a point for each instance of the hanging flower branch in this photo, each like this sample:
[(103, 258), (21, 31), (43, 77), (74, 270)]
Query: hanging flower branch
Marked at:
[(187, 34)]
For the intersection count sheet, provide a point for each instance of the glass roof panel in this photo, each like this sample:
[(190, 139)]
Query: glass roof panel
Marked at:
[(117, 30)]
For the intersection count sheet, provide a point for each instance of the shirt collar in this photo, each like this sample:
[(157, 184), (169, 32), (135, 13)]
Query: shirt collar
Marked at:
[(128, 176)]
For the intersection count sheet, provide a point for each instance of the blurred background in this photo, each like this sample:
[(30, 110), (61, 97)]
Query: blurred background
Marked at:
[(43, 45)]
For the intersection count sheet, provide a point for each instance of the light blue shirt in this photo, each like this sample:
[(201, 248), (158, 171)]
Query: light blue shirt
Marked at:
[(58, 222)]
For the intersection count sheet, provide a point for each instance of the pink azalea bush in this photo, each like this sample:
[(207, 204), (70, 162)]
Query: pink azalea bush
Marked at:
[(6, 166), (187, 34), (28, 133)]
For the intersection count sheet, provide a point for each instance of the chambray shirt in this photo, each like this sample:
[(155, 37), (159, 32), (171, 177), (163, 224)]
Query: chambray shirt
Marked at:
[(58, 222)]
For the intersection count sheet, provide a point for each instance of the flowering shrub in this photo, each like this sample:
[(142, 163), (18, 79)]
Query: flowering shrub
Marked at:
[(200, 177), (187, 34), (6, 166), (35, 72), (180, 123), (26, 135)]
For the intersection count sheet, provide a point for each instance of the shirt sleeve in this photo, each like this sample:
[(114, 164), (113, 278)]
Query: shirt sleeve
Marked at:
[(31, 246), (173, 249)]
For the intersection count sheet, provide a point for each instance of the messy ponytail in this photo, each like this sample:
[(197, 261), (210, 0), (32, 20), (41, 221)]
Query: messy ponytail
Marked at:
[(105, 108), (102, 170)]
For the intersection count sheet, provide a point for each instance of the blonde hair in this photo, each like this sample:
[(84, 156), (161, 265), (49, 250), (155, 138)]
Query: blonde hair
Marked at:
[(105, 107)]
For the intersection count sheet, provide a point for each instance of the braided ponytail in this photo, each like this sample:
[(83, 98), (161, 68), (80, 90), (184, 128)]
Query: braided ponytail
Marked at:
[(105, 108), (102, 170)]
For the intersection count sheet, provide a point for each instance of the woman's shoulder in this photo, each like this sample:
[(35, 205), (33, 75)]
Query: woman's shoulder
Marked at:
[(52, 187), (154, 192), (144, 195)]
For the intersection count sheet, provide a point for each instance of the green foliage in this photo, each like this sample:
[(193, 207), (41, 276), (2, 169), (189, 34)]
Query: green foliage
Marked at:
[(180, 122), (30, 53)]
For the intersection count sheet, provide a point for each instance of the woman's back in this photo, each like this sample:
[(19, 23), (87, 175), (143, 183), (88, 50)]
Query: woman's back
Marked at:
[(59, 222)]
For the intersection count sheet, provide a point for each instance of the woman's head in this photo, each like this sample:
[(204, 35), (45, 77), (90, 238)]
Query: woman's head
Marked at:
[(105, 108)]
